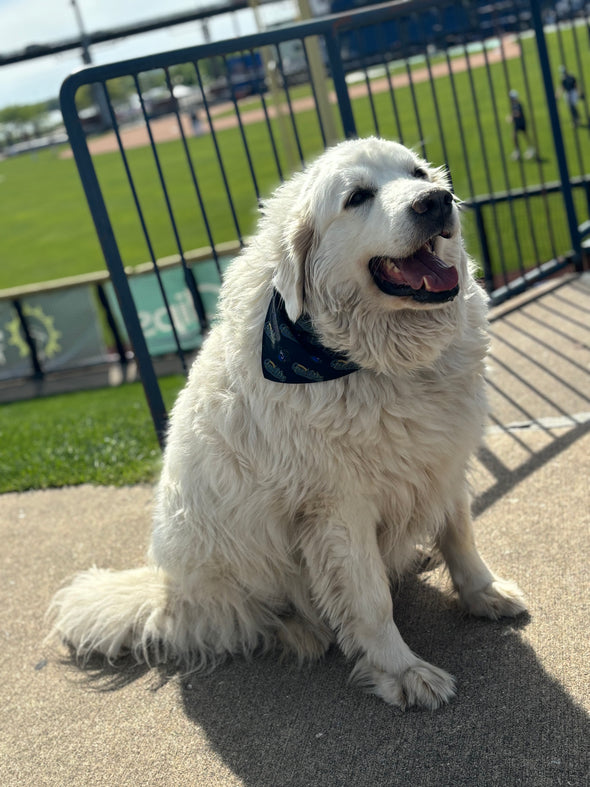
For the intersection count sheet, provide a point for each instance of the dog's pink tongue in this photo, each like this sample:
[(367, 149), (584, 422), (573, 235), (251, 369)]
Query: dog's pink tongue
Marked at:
[(428, 270)]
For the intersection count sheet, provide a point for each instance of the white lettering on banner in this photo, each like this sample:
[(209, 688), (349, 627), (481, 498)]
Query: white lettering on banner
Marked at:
[(145, 319), (183, 313), (161, 321)]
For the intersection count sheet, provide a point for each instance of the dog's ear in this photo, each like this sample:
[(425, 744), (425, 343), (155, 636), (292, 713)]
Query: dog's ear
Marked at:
[(289, 278)]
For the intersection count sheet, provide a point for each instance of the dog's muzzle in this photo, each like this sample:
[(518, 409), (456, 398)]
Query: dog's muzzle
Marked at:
[(434, 206), (422, 276)]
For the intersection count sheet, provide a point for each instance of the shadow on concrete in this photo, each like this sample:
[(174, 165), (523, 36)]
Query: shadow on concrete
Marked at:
[(539, 383), (510, 723), (273, 724), (507, 479)]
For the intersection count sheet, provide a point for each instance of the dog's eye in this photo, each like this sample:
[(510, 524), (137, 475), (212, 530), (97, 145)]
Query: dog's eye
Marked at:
[(358, 197), (420, 172)]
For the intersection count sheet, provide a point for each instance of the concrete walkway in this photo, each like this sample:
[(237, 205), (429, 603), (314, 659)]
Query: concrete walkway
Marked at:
[(521, 716)]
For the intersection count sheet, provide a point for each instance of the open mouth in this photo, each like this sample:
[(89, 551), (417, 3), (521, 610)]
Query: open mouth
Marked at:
[(423, 276)]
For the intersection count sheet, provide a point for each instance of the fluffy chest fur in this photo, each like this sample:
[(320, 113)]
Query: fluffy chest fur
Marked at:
[(398, 442)]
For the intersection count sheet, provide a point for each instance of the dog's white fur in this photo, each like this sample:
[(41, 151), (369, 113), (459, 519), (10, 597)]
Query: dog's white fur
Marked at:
[(284, 511)]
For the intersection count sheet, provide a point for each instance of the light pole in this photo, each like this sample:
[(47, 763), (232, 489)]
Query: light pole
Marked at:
[(98, 93), (318, 77), (270, 68), (83, 37)]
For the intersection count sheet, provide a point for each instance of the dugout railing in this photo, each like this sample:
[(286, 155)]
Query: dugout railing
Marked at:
[(435, 76)]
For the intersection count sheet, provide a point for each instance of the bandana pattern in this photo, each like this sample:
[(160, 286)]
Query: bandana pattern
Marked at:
[(293, 353)]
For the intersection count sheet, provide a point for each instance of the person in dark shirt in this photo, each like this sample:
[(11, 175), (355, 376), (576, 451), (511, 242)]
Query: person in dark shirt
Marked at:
[(569, 90), (518, 120)]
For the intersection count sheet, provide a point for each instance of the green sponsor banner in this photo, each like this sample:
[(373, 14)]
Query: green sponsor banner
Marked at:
[(64, 325), (153, 314)]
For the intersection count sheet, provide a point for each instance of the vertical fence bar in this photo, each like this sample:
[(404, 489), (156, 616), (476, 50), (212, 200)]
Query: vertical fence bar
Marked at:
[(290, 106), (188, 274), (215, 141), (234, 99), (538, 158), (140, 214), (112, 256), (568, 200), (506, 177), (371, 102), (421, 139), (202, 208), (315, 95), (582, 101), (486, 165), (526, 197), (581, 76), (486, 260), (271, 137), (35, 362), (112, 323), (385, 62), (431, 81), (559, 32)]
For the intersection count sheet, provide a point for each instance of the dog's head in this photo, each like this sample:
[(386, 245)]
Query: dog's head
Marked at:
[(372, 251)]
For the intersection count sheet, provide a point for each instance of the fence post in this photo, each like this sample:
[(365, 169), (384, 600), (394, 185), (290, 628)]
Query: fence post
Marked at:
[(37, 368), (568, 199), (486, 261), (112, 323)]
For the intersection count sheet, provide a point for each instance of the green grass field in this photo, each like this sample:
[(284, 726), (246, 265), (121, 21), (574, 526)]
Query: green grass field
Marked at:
[(101, 437), (48, 232), (106, 436)]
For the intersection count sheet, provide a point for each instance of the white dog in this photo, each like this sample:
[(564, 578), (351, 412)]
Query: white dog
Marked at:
[(323, 433)]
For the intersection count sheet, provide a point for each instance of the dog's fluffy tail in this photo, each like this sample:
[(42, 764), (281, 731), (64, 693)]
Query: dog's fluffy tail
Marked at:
[(142, 612), (115, 612)]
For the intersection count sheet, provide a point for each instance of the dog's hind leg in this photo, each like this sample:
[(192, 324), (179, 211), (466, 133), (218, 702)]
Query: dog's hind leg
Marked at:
[(350, 587), (481, 592), (302, 634), (305, 641)]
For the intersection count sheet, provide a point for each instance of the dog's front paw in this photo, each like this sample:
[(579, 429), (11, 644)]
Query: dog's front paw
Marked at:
[(497, 599), (427, 686), (422, 685)]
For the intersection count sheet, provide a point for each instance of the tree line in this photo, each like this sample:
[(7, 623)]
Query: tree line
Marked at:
[(22, 115)]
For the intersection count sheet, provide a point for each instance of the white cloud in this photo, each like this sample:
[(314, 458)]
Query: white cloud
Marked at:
[(25, 22)]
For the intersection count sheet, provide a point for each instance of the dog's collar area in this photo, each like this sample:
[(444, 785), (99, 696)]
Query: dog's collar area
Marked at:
[(292, 351)]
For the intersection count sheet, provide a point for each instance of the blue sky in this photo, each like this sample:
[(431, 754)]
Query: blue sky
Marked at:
[(24, 22)]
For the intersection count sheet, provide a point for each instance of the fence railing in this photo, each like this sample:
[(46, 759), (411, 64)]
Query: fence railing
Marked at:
[(436, 76)]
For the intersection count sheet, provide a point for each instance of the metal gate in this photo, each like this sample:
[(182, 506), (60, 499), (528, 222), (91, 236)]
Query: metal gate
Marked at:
[(175, 177)]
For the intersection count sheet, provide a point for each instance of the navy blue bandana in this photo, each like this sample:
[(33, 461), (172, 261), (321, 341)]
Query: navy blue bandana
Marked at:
[(293, 352)]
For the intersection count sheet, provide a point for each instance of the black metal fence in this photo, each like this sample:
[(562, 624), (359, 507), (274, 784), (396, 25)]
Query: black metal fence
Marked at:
[(206, 132)]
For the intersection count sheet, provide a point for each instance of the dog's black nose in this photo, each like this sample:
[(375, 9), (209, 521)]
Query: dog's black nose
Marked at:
[(437, 202)]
